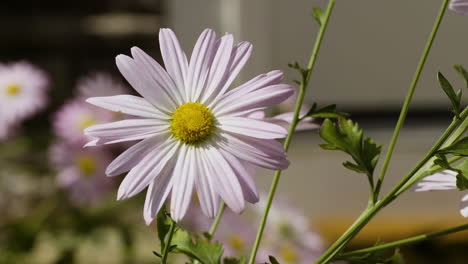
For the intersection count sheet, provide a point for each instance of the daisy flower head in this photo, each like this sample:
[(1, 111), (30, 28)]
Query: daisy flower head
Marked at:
[(76, 115), (441, 181), (194, 127), (81, 172), (459, 6), (100, 84), (22, 91)]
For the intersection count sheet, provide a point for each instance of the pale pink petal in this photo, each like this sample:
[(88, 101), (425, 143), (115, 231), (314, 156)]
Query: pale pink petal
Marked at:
[(184, 176), (251, 127), (159, 75), (147, 170), (133, 155), (209, 199), (126, 130), (444, 180), (128, 104), (464, 206), (144, 84), (459, 6), (174, 58)]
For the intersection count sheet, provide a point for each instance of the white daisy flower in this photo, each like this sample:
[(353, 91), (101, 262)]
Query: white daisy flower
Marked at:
[(195, 129), (22, 92), (441, 181), (459, 6)]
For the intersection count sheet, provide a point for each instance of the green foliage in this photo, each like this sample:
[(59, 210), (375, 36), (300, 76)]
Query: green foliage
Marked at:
[(347, 136), (197, 248), (163, 224), (231, 260), (457, 148), (328, 111), (464, 74), (303, 71), (455, 97), (318, 15), (377, 257), (461, 169), (273, 260)]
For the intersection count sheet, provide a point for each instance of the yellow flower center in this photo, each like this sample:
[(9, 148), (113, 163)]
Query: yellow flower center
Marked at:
[(86, 165), (86, 121), (13, 89), (192, 123), (236, 242), (288, 254)]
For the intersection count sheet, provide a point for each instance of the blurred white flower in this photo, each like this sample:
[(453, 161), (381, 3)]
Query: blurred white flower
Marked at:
[(441, 181), (81, 172), (22, 93), (459, 6), (194, 127), (100, 84)]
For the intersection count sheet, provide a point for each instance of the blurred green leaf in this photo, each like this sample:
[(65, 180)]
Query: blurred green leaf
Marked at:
[(231, 260), (328, 111), (163, 224), (377, 257), (273, 260), (318, 15), (348, 137), (197, 248), (455, 97), (457, 148), (464, 74)]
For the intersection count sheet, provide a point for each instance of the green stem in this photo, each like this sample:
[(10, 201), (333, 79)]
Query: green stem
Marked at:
[(409, 96), (371, 212), (405, 241), (167, 243), (217, 220), (292, 127)]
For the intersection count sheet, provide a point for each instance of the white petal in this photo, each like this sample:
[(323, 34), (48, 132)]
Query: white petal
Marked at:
[(143, 83), (185, 172), (174, 58), (200, 63), (157, 192), (251, 127), (444, 180), (133, 155), (459, 6), (148, 169), (225, 180), (126, 130), (219, 67), (159, 75), (265, 97), (208, 197), (128, 104), (244, 176), (464, 206)]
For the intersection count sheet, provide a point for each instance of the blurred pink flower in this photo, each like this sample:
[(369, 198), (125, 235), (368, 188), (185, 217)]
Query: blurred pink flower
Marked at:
[(81, 172), (76, 115), (459, 6), (441, 181), (100, 84), (22, 93)]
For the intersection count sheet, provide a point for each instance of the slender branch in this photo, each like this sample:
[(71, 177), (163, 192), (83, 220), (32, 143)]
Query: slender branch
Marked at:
[(370, 212), (217, 220), (167, 243), (292, 128), (409, 96), (405, 241)]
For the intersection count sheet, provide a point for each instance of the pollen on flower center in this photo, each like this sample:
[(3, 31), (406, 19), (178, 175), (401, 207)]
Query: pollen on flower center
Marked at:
[(13, 89), (86, 165), (192, 123), (86, 121)]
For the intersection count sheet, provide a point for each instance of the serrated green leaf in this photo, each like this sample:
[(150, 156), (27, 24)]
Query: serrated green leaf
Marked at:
[(163, 224), (450, 92), (458, 148), (231, 260), (348, 137), (273, 260), (197, 248), (318, 15), (464, 74)]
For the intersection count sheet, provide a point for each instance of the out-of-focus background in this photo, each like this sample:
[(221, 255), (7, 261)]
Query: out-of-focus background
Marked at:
[(368, 58)]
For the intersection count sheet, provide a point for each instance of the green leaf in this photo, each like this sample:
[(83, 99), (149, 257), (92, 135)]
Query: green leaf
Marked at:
[(464, 74), (377, 257), (454, 97), (163, 224), (318, 15), (273, 260), (462, 182), (197, 248), (461, 169), (328, 111), (457, 148), (231, 260), (348, 137)]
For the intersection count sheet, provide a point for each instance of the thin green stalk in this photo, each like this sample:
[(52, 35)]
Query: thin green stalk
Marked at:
[(292, 127), (409, 96), (167, 246), (370, 212), (217, 220), (405, 241)]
